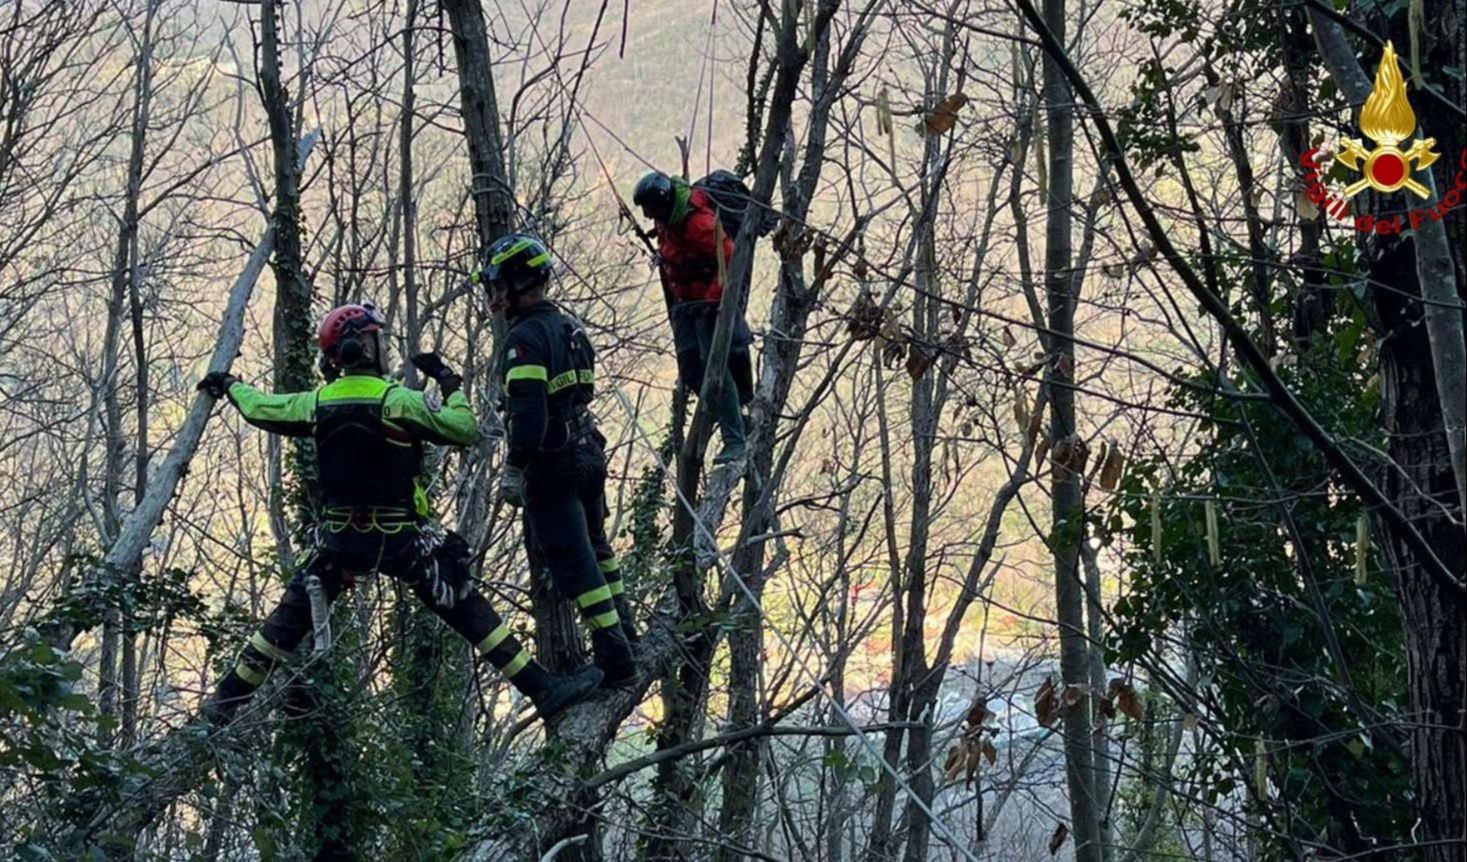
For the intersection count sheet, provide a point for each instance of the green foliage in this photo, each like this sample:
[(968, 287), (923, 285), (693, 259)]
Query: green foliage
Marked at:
[(50, 730), (1250, 619)]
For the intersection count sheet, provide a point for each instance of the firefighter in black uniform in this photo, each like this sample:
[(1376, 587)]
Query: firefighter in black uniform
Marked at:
[(556, 464), (370, 434)]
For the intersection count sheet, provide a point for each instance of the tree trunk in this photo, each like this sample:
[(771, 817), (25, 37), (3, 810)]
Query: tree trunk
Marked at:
[(1068, 505)]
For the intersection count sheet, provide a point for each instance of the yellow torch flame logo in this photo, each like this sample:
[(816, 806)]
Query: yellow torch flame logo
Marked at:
[(1387, 119)]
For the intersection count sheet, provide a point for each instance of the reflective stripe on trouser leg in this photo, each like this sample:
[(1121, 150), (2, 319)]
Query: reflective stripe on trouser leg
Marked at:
[(611, 570), (597, 608), (503, 650), (249, 673), (270, 651)]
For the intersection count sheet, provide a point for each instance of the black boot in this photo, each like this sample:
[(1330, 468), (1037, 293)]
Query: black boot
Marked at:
[(614, 656), (222, 706), (553, 694), (628, 622)]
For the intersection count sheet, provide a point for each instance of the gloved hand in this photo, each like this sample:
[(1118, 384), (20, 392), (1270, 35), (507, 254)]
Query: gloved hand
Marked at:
[(216, 383), (445, 574), (512, 485), (329, 370), (431, 364)]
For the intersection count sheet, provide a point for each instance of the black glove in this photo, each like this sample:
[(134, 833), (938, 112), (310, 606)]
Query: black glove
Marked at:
[(512, 485), (431, 364), (329, 370), (216, 383), (445, 574)]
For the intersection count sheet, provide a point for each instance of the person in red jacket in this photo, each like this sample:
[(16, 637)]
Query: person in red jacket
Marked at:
[(685, 223)]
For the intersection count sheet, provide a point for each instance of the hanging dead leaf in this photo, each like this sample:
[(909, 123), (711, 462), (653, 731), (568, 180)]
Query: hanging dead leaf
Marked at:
[(861, 269), (1129, 702), (979, 713), (918, 361), (1057, 840), (990, 752), (954, 765), (1032, 368), (1107, 709), (943, 116), (1115, 464), (1021, 409), (1099, 460), (892, 353), (883, 112), (1046, 703), (864, 319), (975, 756), (1008, 337), (1071, 453)]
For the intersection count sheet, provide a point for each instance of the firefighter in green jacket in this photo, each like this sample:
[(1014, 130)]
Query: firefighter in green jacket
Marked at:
[(370, 435)]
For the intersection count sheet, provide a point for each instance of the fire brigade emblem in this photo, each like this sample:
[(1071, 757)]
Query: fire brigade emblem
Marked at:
[(1387, 119)]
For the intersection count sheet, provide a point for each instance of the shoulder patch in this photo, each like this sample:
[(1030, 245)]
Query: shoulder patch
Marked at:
[(432, 401)]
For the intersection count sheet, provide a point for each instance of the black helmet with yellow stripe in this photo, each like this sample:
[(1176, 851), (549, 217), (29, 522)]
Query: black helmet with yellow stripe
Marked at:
[(517, 262)]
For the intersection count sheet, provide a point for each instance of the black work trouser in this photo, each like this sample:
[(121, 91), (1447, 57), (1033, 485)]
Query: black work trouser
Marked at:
[(565, 517), (339, 557)]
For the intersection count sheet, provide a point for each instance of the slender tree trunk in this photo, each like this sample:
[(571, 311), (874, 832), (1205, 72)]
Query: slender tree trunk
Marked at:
[(793, 302), (118, 690), (1068, 505)]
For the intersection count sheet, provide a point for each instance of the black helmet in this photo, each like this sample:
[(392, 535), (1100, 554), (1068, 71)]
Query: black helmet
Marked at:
[(518, 261), (654, 194)]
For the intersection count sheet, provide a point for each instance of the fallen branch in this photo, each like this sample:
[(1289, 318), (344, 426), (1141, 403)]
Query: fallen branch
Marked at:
[(138, 527)]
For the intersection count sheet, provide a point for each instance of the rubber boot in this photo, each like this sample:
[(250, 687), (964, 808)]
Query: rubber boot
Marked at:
[(613, 655), (553, 694)]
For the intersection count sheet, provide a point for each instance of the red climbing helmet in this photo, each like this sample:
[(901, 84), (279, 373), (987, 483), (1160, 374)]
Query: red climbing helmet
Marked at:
[(348, 320)]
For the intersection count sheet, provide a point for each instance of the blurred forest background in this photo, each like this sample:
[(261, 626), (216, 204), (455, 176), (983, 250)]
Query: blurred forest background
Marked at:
[(1105, 498)]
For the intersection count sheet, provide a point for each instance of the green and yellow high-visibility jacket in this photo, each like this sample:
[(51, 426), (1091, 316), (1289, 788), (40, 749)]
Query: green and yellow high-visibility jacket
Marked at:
[(369, 436)]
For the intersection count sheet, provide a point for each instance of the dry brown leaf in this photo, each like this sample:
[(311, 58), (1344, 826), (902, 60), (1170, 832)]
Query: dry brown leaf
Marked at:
[(1115, 464), (918, 361), (1008, 337), (943, 116), (1057, 840), (975, 755), (1046, 703), (990, 752), (954, 765), (1040, 451), (1130, 703), (979, 714), (864, 320)]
